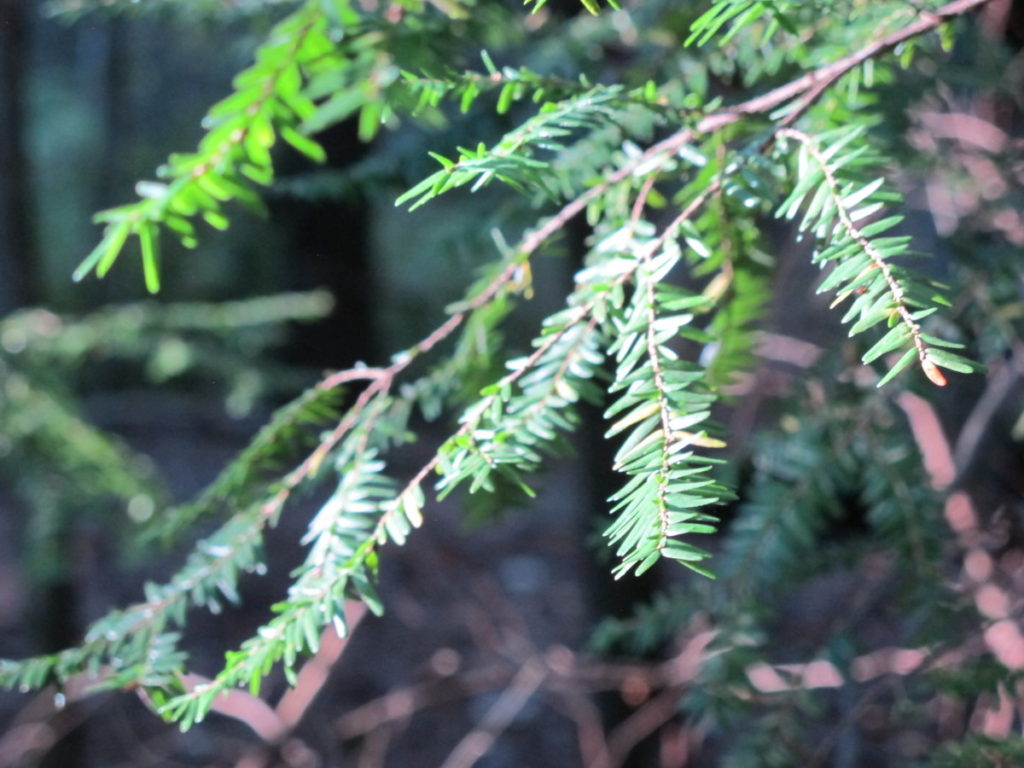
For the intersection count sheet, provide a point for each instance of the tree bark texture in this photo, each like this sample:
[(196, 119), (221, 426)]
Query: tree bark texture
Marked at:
[(18, 285)]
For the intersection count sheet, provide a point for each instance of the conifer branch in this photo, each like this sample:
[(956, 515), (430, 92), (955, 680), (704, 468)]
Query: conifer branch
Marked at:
[(862, 266), (621, 306), (877, 259), (817, 82)]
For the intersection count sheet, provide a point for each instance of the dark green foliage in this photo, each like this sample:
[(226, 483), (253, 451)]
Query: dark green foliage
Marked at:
[(243, 480), (68, 468), (979, 750)]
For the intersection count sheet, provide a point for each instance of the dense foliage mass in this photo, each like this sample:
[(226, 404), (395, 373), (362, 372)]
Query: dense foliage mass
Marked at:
[(692, 143)]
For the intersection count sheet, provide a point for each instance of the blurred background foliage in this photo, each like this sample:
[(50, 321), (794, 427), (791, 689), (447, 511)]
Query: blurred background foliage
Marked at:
[(113, 406)]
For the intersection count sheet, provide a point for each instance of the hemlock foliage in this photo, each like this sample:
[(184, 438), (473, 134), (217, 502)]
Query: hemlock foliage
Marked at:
[(717, 123)]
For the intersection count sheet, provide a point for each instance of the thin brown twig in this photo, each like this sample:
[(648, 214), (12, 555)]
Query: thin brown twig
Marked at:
[(1002, 382), (402, 704), (1002, 631), (276, 724), (479, 741), (566, 679), (352, 374), (644, 721), (577, 705), (830, 73), (312, 677), (641, 198)]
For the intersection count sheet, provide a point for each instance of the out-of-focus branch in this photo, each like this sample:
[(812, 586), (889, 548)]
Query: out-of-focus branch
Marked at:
[(275, 724), (314, 673), (479, 741), (1003, 634), (1003, 381)]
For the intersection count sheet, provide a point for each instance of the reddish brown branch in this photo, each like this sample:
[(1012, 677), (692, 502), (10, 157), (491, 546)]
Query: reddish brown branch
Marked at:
[(295, 702), (816, 82), (479, 741), (1002, 630)]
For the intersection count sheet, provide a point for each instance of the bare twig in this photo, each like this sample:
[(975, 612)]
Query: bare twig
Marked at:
[(42, 722), (1003, 381), (313, 675), (676, 674), (644, 721), (242, 706), (1002, 630), (576, 704), (402, 704), (274, 724), (479, 741)]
